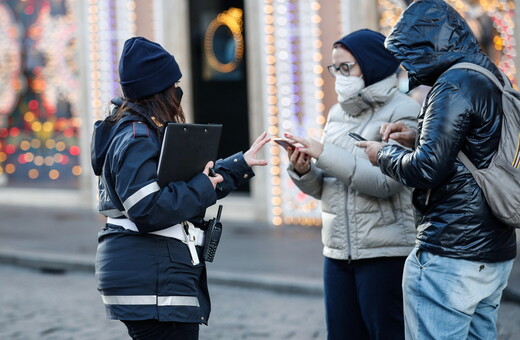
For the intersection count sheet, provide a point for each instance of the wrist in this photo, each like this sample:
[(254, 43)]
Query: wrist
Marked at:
[(379, 154), (320, 151)]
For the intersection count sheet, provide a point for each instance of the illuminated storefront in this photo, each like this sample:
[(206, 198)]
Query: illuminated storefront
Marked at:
[(264, 60), (62, 71), (39, 118)]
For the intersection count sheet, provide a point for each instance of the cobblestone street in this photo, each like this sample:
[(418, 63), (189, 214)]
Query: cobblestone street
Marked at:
[(44, 306), (47, 306)]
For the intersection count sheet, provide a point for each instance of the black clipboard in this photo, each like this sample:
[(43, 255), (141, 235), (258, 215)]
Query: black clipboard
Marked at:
[(186, 149)]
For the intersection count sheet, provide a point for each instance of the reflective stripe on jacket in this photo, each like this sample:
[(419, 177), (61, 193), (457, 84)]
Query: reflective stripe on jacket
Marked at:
[(140, 275)]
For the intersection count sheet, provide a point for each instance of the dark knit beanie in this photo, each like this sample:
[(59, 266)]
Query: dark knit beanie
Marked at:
[(368, 48), (146, 68)]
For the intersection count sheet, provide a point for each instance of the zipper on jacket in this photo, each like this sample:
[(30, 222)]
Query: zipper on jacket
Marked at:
[(348, 227), (360, 131)]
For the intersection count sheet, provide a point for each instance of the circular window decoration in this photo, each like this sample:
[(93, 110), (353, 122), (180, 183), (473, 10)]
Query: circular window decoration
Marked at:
[(224, 42)]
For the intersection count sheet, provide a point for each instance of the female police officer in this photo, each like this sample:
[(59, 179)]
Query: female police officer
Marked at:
[(145, 273)]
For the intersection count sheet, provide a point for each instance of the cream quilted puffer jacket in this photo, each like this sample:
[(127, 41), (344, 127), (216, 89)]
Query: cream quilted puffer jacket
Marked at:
[(365, 214)]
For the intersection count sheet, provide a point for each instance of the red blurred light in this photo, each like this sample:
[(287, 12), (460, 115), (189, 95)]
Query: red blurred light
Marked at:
[(29, 10), (33, 105), (10, 148), (68, 132), (14, 131), (74, 150)]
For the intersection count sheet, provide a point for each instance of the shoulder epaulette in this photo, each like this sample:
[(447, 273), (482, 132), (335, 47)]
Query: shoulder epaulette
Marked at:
[(140, 129)]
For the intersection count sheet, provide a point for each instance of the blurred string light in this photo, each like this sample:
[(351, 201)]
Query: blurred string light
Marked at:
[(56, 40), (12, 81), (94, 39), (111, 22), (501, 13), (41, 141), (294, 97), (11, 65)]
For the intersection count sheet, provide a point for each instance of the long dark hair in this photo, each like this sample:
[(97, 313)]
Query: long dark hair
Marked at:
[(161, 107)]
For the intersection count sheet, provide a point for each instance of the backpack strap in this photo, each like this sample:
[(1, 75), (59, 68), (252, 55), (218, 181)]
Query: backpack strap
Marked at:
[(465, 160), (461, 156), (484, 71)]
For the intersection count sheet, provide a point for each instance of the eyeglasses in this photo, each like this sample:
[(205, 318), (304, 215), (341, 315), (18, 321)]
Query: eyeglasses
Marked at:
[(343, 68)]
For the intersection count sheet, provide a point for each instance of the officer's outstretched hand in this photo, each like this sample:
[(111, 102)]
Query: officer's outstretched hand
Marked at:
[(214, 177), (250, 155)]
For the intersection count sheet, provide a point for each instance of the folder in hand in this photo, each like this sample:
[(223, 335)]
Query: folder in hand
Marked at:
[(186, 149)]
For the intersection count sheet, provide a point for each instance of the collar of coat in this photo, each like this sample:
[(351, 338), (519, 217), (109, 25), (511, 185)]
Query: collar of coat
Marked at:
[(371, 96)]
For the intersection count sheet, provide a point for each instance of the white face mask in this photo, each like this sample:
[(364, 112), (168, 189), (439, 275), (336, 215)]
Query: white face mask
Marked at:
[(348, 87)]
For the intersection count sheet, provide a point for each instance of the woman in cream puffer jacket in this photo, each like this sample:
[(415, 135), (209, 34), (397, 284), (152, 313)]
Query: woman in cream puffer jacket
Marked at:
[(365, 214), (368, 227)]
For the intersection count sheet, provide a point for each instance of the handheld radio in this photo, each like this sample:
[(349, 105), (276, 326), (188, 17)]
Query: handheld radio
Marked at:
[(212, 236)]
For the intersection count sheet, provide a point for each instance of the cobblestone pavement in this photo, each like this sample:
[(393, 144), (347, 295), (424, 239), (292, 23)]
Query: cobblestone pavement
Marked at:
[(45, 306)]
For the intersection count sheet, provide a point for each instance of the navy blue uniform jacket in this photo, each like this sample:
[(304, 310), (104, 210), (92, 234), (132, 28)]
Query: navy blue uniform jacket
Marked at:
[(140, 275)]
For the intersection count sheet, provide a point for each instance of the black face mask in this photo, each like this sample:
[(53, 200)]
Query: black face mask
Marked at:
[(178, 93)]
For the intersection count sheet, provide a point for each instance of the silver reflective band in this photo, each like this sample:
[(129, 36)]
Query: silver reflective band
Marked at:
[(129, 299), (150, 300), (178, 301), (140, 194), (111, 213)]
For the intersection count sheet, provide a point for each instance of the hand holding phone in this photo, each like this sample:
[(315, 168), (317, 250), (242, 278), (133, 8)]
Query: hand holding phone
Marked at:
[(284, 143), (356, 136)]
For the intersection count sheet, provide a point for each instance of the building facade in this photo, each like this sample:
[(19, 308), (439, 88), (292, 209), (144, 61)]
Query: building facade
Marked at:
[(252, 65)]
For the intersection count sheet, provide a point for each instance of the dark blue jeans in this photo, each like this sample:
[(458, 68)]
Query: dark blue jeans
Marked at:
[(364, 299), (156, 330)]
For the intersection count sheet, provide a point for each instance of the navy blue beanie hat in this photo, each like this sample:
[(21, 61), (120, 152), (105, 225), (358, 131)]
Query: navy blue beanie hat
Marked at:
[(368, 48), (146, 68)]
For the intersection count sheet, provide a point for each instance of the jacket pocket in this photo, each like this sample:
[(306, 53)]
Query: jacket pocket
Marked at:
[(424, 257), (331, 195), (387, 211), (180, 275), (328, 232)]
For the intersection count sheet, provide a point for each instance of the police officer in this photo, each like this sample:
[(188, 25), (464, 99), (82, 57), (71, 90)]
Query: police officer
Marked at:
[(145, 273)]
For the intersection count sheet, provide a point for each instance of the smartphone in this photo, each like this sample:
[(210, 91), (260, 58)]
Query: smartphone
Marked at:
[(356, 136), (284, 143)]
